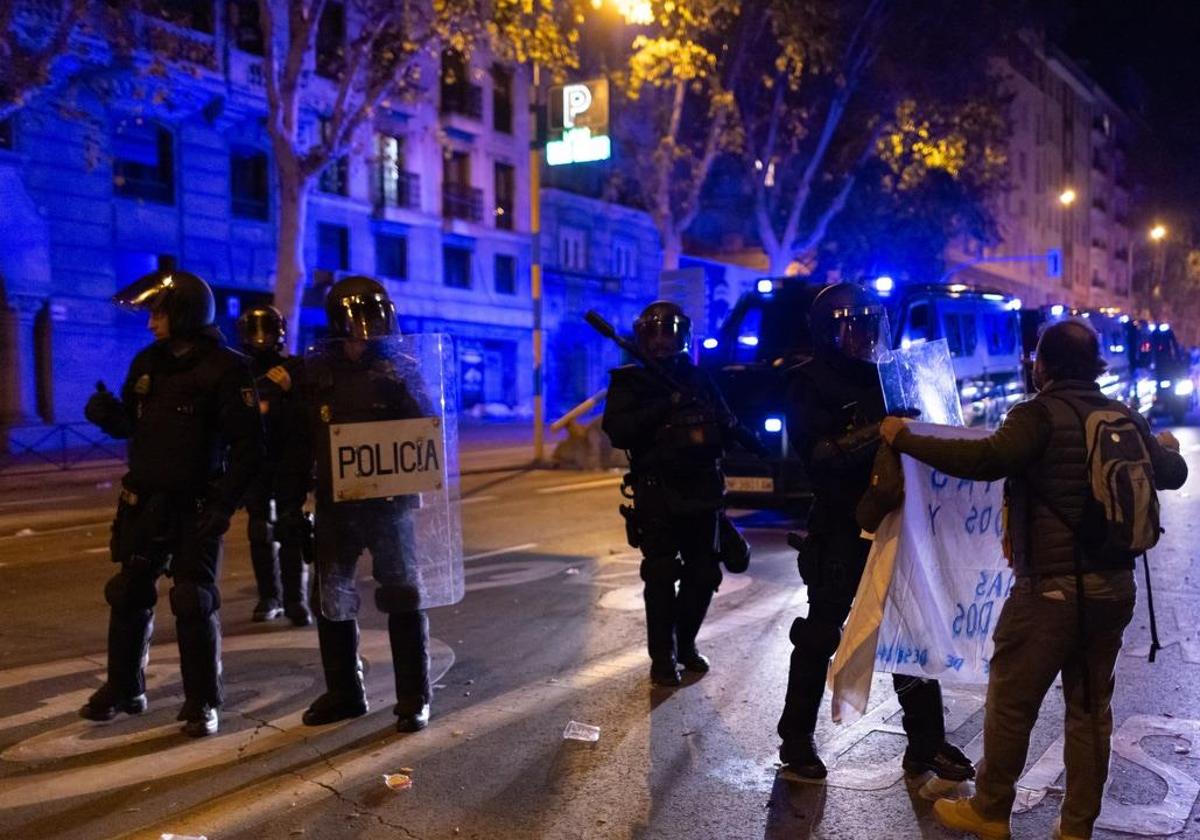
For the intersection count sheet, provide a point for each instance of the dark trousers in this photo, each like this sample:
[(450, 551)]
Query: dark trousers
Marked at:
[(1037, 638), (832, 565), (386, 531), (151, 538), (274, 529), (677, 548)]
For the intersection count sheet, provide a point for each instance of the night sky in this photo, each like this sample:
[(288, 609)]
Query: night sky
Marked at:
[(1147, 56)]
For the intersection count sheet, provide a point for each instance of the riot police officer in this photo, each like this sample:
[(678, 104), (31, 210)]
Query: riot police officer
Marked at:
[(835, 405), (190, 412), (675, 440), (277, 528), (355, 378)]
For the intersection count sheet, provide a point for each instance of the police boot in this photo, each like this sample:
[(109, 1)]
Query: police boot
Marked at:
[(125, 690), (945, 761), (266, 576), (294, 573), (660, 632), (345, 696), (408, 633), (198, 630), (924, 724), (800, 756), (691, 606)]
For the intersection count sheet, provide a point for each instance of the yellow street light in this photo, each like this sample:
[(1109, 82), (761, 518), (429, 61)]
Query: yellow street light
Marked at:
[(635, 12), (1158, 233), (1067, 197)]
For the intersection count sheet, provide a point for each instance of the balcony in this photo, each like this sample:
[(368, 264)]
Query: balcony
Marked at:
[(463, 98), (394, 188), (461, 201)]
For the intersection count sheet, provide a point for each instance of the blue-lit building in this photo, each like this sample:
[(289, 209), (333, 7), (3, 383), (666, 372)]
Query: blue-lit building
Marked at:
[(109, 175)]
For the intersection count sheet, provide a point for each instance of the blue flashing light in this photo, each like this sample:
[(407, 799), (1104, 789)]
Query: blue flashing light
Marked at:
[(1124, 319), (1014, 304), (773, 424), (885, 285), (765, 287), (1057, 310), (992, 296), (1164, 327), (709, 344), (748, 340)]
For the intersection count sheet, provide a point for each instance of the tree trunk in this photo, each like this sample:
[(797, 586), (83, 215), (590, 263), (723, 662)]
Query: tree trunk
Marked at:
[(289, 241), (779, 259), (672, 243)]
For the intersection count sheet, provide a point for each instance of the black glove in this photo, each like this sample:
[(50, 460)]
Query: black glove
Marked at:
[(905, 412), (102, 406), (213, 521)]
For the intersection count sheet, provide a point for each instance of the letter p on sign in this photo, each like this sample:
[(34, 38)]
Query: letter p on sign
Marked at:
[(576, 100)]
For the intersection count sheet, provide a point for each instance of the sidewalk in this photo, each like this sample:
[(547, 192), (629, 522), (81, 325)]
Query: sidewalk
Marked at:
[(483, 446)]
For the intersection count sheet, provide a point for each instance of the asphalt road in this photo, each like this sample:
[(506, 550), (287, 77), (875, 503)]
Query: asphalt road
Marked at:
[(550, 631)]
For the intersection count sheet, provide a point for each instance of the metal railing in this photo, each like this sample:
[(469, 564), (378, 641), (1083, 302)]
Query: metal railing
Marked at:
[(395, 188), (460, 201), (463, 98), (61, 446)]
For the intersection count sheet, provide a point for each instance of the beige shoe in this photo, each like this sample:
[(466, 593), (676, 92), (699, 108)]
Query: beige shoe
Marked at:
[(958, 814), (1057, 834)]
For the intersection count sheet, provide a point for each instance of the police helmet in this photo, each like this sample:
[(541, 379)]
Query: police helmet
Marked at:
[(845, 318), (359, 307), (262, 328), (184, 298), (663, 331)]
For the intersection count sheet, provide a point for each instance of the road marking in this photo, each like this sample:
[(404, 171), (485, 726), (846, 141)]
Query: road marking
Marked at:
[(51, 531), (101, 550), (470, 500), (257, 802), (51, 499), (498, 551), (579, 485)]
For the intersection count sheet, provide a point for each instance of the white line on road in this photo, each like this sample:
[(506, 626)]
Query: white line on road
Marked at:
[(50, 499), (470, 500), (579, 485), (28, 536), (496, 551), (101, 550)]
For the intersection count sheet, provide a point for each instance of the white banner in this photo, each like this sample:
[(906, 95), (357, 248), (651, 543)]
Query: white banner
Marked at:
[(386, 458), (933, 587)]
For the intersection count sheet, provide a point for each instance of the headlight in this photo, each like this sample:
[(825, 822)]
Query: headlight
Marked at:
[(1164, 383), (773, 424), (1184, 388)]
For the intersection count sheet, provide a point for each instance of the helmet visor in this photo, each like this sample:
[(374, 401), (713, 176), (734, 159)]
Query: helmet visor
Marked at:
[(363, 316), (862, 332), (260, 331), (661, 336), (146, 293)]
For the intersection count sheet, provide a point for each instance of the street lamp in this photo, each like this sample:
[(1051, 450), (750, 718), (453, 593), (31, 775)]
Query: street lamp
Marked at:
[(1067, 197), (1158, 232)]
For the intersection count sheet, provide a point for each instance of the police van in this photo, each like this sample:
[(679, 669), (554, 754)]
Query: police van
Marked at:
[(767, 333), (1175, 391)]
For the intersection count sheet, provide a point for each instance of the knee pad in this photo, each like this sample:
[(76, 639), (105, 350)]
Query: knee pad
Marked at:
[(815, 638), (194, 600), (125, 591), (260, 530), (661, 570), (397, 599)]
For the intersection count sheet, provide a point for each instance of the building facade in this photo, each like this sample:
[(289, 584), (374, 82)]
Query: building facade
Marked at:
[(1065, 221)]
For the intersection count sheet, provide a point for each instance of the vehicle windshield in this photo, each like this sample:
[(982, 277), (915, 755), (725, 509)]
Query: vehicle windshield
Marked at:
[(763, 328)]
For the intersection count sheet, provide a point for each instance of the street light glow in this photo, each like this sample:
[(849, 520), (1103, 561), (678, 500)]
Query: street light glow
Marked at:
[(1067, 197), (636, 12), (1158, 232)]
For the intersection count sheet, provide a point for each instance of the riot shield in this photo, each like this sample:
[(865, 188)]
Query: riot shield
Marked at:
[(386, 450), (922, 377)]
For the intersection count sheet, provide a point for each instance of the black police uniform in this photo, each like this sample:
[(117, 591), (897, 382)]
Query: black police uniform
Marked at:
[(835, 405), (337, 389), (277, 527), (675, 447), (191, 415)]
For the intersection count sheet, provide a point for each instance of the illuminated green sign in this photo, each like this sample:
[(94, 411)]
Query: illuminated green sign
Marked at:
[(580, 112)]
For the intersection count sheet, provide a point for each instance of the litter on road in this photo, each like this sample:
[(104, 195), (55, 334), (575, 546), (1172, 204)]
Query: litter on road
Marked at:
[(577, 731), (398, 781)]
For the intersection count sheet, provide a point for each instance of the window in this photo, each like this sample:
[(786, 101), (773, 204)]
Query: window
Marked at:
[(391, 256), (192, 14), (459, 95), (248, 183), (505, 189), (1001, 329), (331, 41), (961, 334), (456, 266), (244, 26), (333, 247), (572, 249), (459, 199), (918, 322), (394, 187), (506, 274), (502, 99), (624, 260), (144, 162), (335, 177)]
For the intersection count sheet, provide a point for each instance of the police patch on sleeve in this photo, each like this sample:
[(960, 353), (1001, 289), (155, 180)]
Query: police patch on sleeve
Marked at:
[(326, 414), (249, 398)]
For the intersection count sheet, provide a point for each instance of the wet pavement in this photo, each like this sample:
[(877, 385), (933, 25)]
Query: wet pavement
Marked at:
[(550, 632)]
